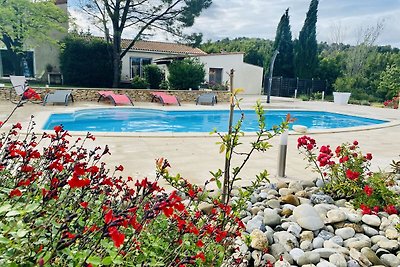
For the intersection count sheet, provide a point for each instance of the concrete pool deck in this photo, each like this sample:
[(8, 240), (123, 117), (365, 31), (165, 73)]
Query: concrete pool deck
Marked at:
[(194, 155)]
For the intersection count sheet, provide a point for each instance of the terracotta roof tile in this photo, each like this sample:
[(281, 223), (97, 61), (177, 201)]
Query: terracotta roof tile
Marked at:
[(163, 47)]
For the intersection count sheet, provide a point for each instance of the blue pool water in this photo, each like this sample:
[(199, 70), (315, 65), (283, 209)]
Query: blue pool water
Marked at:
[(149, 120)]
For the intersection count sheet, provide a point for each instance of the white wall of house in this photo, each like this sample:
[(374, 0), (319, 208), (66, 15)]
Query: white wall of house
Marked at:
[(246, 76), (126, 64)]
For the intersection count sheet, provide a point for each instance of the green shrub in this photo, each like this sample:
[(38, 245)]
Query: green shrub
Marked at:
[(86, 62), (185, 74), (139, 83), (164, 85), (153, 75)]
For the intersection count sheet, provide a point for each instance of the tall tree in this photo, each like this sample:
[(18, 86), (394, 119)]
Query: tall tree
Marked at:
[(306, 54), (143, 15), (284, 64), (24, 22)]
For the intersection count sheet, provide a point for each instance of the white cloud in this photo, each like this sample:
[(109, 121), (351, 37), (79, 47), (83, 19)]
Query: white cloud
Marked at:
[(259, 18)]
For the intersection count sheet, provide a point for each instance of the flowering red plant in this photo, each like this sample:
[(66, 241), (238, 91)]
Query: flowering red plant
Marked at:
[(347, 175), (68, 208), (392, 103)]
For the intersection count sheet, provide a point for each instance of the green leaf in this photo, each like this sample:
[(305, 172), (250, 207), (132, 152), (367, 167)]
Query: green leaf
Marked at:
[(31, 207), (94, 260), (12, 213), (5, 208), (107, 261), (118, 260), (21, 233), (4, 240), (219, 184)]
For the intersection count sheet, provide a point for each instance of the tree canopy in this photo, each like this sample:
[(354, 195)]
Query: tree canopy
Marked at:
[(113, 16), (306, 57), (24, 23), (284, 64)]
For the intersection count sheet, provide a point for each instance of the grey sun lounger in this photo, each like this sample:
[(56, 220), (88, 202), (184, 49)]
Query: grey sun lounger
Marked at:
[(58, 96), (208, 98)]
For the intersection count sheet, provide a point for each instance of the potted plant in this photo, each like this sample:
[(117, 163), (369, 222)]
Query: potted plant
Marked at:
[(342, 88)]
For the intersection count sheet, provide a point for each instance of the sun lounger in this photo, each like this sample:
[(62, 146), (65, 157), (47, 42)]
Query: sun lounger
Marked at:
[(164, 98), (116, 99), (58, 96), (208, 98)]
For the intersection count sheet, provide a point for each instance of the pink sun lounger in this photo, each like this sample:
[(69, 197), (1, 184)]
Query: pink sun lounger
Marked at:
[(164, 98), (117, 99)]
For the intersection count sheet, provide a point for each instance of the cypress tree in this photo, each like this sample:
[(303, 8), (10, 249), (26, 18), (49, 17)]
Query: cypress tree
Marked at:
[(284, 63), (306, 55)]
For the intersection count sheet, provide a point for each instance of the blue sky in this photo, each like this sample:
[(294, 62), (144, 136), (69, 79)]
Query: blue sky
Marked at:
[(341, 20)]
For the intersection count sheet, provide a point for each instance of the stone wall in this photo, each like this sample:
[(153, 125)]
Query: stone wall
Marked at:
[(137, 95)]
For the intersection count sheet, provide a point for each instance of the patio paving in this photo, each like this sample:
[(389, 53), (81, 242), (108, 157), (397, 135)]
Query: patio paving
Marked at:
[(194, 156)]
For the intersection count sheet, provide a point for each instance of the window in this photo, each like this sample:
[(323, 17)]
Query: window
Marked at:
[(215, 76), (137, 65), (7, 66)]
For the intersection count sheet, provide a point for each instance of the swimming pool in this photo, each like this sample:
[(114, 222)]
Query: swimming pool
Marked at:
[(151, 120)]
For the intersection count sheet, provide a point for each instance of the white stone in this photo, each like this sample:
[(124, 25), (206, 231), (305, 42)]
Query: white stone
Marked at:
[(299, 128), (308, 257), (345, 232), (334, 216), (286, 239), (254, 223), (354, 217), (360, 258), (259, 240), (325, 252), (325, 264), (370, 231), (294, 229), (371, 220), (390, 260), (318, 242), (390, 245), (338, 260), (296, 253), (271, 217), (307, 217), (391, 233), (306, 245)]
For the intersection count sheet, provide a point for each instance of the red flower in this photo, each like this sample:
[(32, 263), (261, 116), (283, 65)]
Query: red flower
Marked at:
[(390, 209), (108, 217), (352, 175), (119, 168), (58, 128), (220, 235), (84, 204), (200, 244), (44, 192), (26, 168), (17, 126), (117, 237), (369, 156), (30, 93), (15, 193), (191, 193), (365, 209), (201, 256), (355, 142), (74, 182), (69, 235), (168, 211), (368, 190)]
